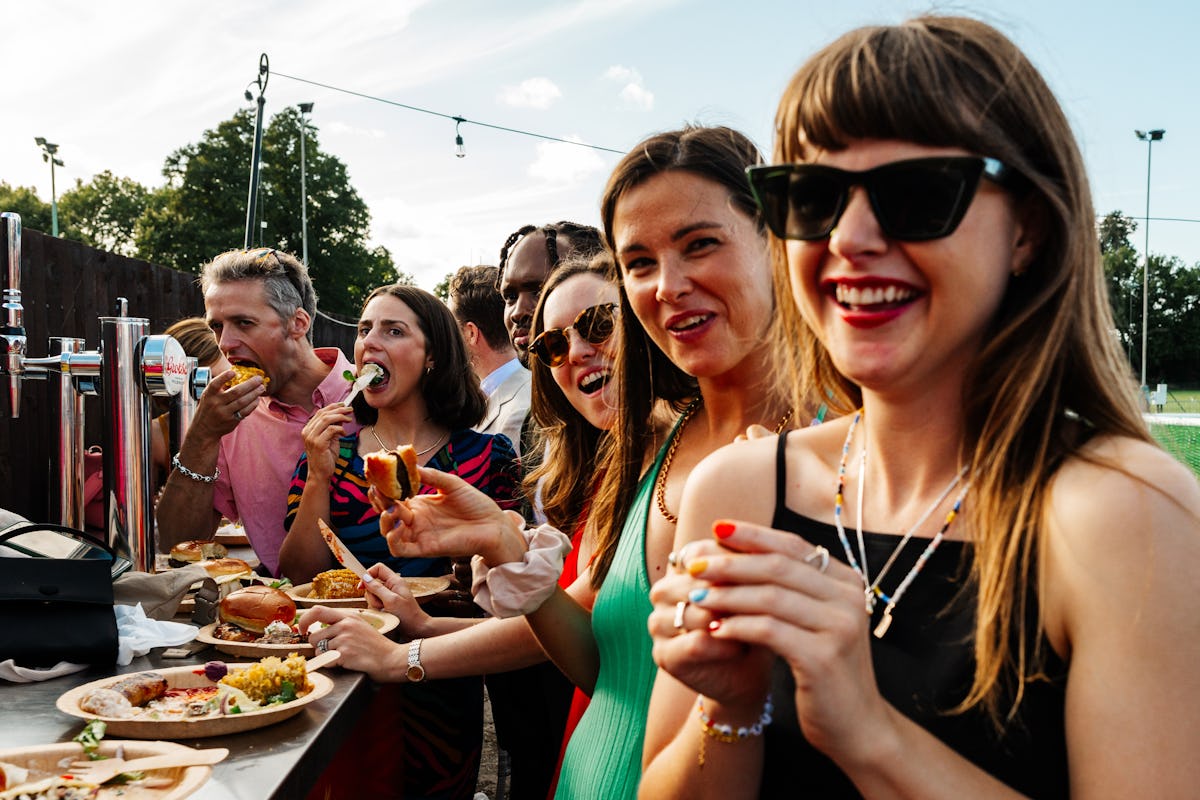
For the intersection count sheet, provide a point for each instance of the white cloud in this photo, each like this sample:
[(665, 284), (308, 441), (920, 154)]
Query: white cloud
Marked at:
[(634, 92), (532, 93), (342, 128), (559, 162)]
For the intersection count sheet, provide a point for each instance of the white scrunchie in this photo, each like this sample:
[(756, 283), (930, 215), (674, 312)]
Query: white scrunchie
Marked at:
[(520, 587)]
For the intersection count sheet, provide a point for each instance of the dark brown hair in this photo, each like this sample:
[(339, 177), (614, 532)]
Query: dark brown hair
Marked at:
[(450, 388)]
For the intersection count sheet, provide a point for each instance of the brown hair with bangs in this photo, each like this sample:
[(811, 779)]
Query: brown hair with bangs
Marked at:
[(1049, 374)]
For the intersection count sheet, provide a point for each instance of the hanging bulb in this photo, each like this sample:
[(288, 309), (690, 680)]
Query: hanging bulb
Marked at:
[(460, 149)]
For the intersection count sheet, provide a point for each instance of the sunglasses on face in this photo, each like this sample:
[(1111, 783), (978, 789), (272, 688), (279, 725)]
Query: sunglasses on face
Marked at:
[(914, 200), (594, 324)]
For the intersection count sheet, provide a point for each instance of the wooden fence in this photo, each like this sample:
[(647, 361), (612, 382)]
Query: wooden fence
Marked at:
[(65, 288)]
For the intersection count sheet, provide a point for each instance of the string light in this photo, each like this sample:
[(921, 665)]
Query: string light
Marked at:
[(459, 149), (458, 120)]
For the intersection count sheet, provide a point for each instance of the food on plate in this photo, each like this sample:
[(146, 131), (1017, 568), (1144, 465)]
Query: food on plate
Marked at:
[(258, 614), (60, 787), (231, 690), (272, 679), (336, 584), (195, 551), (393, 473), (12, 775), (243, 373), (218, 567)]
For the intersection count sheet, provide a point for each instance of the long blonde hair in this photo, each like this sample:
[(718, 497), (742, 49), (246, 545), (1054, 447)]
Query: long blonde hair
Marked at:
[(1051, 372)]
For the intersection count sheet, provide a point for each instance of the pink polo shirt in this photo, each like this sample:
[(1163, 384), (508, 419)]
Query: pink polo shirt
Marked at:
[(258, 457)]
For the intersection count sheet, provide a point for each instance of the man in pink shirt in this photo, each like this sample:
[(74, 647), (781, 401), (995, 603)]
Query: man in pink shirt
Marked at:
[(244, 441)]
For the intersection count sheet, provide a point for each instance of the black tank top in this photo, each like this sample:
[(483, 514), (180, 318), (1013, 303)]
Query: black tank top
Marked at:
[(923, 666)]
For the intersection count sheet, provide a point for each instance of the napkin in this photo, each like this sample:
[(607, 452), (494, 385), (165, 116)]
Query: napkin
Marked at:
[(9, 671), (138, 634)]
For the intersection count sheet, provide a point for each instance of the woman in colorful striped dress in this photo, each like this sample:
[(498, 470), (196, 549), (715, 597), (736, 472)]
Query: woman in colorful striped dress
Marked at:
[(428, 397)]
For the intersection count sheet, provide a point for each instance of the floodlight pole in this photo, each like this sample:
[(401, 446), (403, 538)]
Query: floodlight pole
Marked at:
[(1149, 137), (305, 108), (264, 74), (48, 151)]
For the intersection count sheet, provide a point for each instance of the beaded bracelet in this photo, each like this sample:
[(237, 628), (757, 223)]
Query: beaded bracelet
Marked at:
[(727, 733), (196, 476)]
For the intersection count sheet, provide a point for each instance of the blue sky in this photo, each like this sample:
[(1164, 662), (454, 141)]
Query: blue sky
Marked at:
[(119, 86)]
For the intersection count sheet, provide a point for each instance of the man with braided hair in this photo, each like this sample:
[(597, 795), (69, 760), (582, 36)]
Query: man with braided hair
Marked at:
[(526, 259), (530, 705)]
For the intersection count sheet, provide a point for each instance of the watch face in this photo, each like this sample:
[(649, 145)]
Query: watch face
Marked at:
[(415, 673)]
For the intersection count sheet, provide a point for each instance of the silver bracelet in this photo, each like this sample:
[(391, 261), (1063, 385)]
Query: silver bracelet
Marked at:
[(196, 476)]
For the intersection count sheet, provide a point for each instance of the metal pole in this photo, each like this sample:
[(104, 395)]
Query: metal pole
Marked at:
[(303, 189), (53, 200), (264, 75), (1149, 137)]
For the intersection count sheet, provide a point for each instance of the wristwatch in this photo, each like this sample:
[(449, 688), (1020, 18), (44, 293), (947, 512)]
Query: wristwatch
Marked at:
[(415, 672)]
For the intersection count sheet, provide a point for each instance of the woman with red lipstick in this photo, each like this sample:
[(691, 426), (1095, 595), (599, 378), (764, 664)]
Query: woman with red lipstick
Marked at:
[(695, 309), (429, 398), (978, 582)]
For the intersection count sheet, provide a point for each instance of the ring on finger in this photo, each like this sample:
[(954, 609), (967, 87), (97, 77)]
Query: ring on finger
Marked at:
[(680, 610), (678, 559), (323, 646), (237, 415), (820, 555)]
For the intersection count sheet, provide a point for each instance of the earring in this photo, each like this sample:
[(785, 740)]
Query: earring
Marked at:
[(428, 369)]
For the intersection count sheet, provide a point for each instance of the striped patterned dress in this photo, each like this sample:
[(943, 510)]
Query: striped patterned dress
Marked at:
[(419, 740)]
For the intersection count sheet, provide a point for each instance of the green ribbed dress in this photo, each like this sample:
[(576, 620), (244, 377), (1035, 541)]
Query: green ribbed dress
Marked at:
[(604, 756)]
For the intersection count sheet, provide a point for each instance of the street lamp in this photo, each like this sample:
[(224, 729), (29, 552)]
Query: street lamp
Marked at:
[(264, 74), (305, 108), (48, 151), (1149, 137)]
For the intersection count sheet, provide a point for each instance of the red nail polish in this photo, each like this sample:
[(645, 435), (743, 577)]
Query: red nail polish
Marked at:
[(714, 626), (723, 530)]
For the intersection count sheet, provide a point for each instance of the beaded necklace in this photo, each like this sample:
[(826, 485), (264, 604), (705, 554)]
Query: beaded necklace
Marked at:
[(871, 589)]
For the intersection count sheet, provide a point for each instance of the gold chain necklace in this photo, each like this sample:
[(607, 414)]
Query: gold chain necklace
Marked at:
[(386, 446), (660, 485)]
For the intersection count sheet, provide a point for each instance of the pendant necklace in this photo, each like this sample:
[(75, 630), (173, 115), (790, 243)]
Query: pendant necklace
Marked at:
[(871, 589), (386, 446)]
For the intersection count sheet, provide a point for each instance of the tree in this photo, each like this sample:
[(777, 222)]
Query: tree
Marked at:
[(202, 209), (104, 212), (442, 290), (1123, 274), (23, 200)]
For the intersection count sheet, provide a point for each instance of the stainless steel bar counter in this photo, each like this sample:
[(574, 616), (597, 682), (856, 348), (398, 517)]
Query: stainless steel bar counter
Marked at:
[(279, 761)]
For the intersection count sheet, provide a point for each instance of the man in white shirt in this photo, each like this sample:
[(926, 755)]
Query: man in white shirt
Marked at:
[(479, 309)]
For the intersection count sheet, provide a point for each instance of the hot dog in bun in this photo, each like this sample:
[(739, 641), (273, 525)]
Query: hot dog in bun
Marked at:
[(393, 473)]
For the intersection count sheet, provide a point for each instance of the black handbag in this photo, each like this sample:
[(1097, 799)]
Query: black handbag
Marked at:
[(57, 609)]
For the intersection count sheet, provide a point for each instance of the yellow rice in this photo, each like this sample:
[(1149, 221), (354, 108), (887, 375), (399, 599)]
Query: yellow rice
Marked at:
[(264, 679)]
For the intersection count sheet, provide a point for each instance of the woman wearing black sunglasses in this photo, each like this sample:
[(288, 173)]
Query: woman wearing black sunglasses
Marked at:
[(977, 582)]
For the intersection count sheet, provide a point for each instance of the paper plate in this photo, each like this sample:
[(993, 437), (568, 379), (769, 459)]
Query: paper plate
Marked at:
[(48, 760), (380, 620), (183, 678), (420, 587)]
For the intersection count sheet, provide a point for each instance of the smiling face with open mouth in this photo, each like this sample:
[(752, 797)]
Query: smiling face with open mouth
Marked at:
[(696, 272), (896, 314), (586, 376)]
